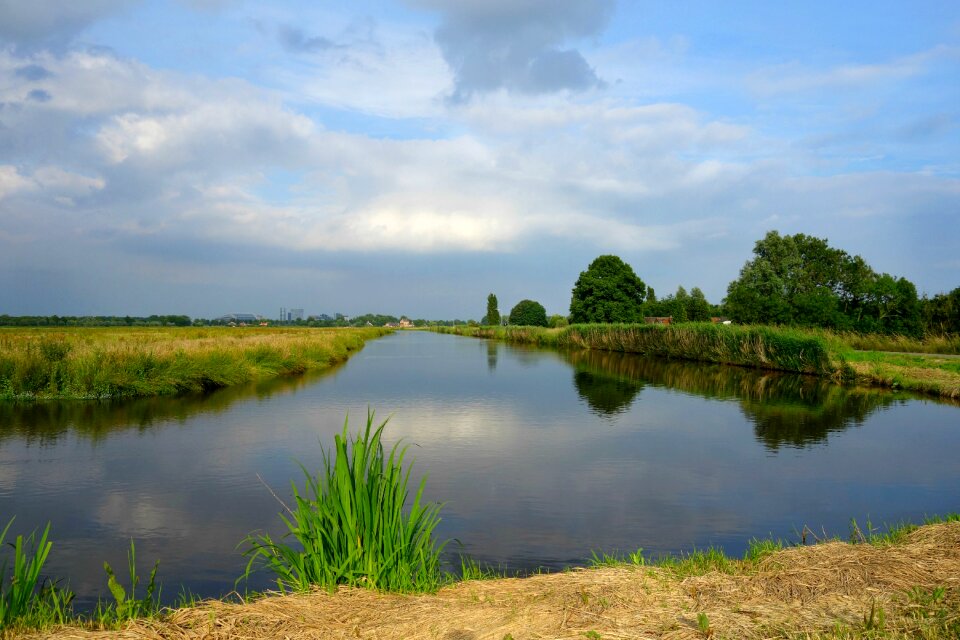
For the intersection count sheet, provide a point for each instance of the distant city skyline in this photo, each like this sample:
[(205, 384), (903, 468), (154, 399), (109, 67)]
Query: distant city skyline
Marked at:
[(200, 157)]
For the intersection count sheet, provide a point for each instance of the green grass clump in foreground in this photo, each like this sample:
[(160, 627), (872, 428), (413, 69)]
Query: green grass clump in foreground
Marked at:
[(24, 600), (349, 524), (39, 364)]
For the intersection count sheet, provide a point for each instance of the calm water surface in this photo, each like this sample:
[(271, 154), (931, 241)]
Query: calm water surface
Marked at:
[(540, 456)]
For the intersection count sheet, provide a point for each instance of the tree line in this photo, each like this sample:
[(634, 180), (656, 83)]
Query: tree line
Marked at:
[(796, 280), (97, 321)]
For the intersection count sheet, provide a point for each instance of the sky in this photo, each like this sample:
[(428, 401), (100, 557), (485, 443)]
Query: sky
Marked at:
[(205, 157)]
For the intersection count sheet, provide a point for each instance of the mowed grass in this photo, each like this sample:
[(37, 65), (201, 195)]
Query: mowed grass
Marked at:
[(943, 344), (87, 363), (931, 374)]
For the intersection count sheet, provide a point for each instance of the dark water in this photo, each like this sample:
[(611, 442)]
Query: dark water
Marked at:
[(540, 457)]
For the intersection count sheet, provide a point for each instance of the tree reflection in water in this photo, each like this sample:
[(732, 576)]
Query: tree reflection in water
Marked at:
[(786, 410)]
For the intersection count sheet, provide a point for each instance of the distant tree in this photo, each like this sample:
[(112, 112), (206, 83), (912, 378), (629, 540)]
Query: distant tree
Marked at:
[(891, 306), (681, 306), (528, 313), (557, 320), (941, 313), (698, 309), (678, 307), (493, 312), (608, 291)]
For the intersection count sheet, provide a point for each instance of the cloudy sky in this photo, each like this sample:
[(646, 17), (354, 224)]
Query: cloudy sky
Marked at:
[(409, 157)]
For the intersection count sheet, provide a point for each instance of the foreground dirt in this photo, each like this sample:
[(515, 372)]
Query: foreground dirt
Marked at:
[(796, 593)]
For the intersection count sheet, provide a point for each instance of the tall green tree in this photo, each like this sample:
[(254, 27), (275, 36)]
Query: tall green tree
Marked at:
[(608, 291), (493, 312), (528, 313), (801, 280), (698, 309)]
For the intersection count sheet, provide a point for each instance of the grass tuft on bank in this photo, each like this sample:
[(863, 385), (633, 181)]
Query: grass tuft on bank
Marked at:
[(351, 524), (100, 363)]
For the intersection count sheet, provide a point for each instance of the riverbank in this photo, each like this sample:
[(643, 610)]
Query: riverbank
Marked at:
[(100, 363), (817, 353), (905, 585)]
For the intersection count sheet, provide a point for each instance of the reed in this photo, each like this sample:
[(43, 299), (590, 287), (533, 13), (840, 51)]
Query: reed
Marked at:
[(351, 525), (100, 363), (762, 347), (24, 600)]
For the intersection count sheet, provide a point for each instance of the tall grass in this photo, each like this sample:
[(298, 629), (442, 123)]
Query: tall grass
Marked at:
[(136, 362), (350, 525), (24, 599), (752, 346)]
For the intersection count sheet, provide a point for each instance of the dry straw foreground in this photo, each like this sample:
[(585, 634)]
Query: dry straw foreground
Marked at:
[(826, 590)]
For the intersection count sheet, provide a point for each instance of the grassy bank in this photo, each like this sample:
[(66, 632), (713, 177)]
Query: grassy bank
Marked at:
[(931, 374), (749, 346), (38, 364), (904, 583), (821, 353), (942, 344)]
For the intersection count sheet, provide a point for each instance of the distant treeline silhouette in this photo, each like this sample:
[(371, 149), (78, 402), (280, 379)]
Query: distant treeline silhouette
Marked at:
[(98, 321)]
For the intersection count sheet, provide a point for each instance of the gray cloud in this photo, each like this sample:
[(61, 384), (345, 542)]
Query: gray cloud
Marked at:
[(32, 72), (50, 22), (39, 95), (295, 40), (518, 45)]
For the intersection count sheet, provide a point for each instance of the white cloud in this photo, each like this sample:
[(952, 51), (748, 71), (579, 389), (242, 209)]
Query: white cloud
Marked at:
[(795, 77), (403, 82), (132, 155), (11, 181)]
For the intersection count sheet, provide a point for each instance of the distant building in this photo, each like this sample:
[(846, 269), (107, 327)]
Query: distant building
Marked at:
[(658, 319), (239, 318), (295, 314), (404, 323)]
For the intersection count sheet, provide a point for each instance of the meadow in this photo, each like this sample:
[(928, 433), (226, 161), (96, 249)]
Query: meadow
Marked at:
[(100, 363)]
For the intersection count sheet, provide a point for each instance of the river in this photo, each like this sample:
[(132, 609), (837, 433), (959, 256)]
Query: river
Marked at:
[(539, 456)]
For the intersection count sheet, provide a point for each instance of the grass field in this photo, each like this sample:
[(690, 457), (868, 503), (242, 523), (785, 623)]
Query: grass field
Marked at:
[(86, 363)]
